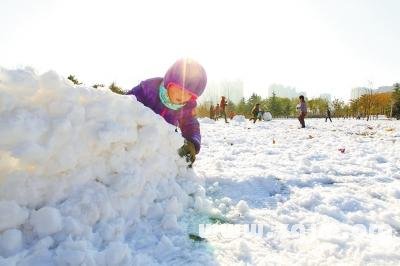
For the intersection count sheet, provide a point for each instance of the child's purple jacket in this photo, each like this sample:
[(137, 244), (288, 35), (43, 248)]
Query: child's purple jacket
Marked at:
[(147, 92)]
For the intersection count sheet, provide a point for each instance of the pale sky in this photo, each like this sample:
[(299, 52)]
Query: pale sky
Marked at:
[(316, 46)]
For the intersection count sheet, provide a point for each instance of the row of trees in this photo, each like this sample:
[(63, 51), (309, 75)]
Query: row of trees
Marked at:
[(371, 104), (367, 106), (113, 86)]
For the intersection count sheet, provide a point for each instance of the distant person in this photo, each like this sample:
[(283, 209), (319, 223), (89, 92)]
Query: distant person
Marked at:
[(231, 114), (217, 112), (222, 106), (212, 112), (255, 112), (328, 115), (302, 108)]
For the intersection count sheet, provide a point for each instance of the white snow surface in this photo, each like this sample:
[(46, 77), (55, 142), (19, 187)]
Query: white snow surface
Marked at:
[(88, 177), (303, 183)]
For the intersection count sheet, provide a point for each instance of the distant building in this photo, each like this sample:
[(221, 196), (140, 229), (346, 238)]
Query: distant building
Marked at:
[(232, 89), (284, 91), (326, 96), (383, 89), (360, 91)]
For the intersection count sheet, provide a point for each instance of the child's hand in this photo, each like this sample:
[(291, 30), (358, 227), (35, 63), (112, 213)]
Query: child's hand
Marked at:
[(189, 151)]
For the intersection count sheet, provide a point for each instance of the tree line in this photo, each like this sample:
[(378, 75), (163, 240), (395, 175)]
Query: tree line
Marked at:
[(367, 106), (113, 86)]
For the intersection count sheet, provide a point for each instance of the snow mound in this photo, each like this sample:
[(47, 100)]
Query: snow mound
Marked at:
[(88, 177), (239, 118), (267, 116)]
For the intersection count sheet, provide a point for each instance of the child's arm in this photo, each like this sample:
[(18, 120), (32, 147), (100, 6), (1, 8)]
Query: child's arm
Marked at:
[(190, 128), (146, 91), (138, 91)]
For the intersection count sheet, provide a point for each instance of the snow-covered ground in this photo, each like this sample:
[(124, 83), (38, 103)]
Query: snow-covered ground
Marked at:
[(316, 204), (88, 177)]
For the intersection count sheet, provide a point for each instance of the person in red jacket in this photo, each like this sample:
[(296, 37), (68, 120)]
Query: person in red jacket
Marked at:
[(222, 106)]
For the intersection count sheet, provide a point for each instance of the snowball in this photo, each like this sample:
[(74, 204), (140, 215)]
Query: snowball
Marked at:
[(46, 221), (242, 207), (11, 215), (267, 116)]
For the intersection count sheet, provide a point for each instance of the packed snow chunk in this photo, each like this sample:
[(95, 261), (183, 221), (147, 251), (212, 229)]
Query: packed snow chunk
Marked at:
[(75, 253), (10, 242), (11, 215), (170, 222), (239, 118), (243, 252), (118, 254), (267, 116), (46, 221), (173, 206), (19, 82), (164, 247)]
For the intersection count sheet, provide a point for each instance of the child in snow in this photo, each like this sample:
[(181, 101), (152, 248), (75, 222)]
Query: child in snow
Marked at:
[(174, 98), (302, 108), (256, 112)]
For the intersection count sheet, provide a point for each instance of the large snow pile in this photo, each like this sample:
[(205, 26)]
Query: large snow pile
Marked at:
[(87, 177)]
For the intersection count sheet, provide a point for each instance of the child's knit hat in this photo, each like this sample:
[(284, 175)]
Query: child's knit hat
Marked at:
[(188, 74)]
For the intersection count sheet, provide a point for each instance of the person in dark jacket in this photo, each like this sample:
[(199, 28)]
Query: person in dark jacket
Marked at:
[(212, 112), (217, 112), (174, 98), (328, 115), (255, 112)]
